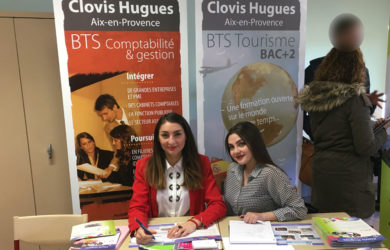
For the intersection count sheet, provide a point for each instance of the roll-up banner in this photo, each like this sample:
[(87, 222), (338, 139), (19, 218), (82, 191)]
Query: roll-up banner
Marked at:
[(384, 210), (249, 68), (121, 65)]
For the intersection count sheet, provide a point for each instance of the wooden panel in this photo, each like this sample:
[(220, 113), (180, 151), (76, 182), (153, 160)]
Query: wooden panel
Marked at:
[(41, 88), (17, 196)]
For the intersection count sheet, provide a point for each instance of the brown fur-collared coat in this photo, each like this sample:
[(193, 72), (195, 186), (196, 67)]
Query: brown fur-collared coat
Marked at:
[(343, 141)]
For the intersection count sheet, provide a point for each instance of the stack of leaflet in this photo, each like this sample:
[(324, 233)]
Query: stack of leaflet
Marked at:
[(348, 232), (98, 235)]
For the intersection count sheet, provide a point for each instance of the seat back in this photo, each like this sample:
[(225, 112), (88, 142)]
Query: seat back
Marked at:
[(46, 229)]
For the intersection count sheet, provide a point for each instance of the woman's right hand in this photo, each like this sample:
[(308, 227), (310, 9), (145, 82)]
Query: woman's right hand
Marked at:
[(143, 238), (375, 98), (380, 121), (106, 172)]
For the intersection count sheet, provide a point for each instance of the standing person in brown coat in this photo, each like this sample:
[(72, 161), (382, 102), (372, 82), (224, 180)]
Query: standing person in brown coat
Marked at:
[(343, 135)]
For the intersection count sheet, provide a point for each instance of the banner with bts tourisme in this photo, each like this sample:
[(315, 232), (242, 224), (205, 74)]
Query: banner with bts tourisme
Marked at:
[(121, 65), (384, 216), (250, 66)]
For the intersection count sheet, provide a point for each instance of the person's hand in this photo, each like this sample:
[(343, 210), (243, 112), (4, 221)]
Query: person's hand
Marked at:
[(142, 237), (386, 125), (251, 217), (181, 230), (375, 98), (106, 172), (380, 121)]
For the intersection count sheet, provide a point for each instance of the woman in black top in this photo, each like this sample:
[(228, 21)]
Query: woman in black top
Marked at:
[(87, 152), (127, 153)]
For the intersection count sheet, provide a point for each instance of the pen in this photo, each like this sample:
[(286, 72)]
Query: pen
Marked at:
[(258, 221), (144, 228)]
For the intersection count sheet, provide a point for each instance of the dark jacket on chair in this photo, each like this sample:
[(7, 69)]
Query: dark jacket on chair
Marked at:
[(343, 141)]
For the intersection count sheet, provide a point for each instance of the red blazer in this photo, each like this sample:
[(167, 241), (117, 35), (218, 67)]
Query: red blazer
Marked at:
[(143, 204)]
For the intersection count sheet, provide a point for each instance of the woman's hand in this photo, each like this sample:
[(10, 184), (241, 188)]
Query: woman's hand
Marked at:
[(380, 121), (181, 230), (143, 238), (375, 98), (252, 218), (107, 172)]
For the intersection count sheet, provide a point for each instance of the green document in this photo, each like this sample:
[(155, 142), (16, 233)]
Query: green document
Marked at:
[(159, 247), (384, 217)]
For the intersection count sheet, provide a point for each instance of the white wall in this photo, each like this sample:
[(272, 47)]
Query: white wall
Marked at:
[(27, 5), (375, 17)]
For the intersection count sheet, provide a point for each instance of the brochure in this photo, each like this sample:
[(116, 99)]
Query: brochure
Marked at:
[(104, 242), (296, 234), (348, 232), (93, 229)]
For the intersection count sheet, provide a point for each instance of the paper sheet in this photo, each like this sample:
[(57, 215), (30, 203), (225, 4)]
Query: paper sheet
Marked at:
[(229, 246), (241, 232), (87, 184), (90, 169)]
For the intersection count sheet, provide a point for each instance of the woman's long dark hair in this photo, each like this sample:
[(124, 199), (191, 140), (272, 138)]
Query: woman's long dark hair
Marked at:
[(82, 157), (343, 67), (251, 135), (192, 167), (123, 133)]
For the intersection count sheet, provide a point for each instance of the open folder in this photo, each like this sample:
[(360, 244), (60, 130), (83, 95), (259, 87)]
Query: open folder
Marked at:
[(241, 232)]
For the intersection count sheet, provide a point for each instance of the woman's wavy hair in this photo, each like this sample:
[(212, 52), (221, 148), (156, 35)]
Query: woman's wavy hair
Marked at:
[(251, 135), (123, 133), (82, 157), (192, 166), (343, 67)]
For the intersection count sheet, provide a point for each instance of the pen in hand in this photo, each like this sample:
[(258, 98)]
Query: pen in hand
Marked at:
[(144, 228)]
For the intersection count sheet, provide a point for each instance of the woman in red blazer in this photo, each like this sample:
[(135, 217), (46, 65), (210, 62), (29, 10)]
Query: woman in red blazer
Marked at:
[(175, 181)]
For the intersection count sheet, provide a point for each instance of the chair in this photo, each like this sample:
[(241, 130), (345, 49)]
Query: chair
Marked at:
[(45, 229)]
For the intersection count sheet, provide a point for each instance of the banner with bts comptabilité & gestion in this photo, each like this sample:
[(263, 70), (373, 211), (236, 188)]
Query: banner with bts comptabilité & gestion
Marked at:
[(121, 65)]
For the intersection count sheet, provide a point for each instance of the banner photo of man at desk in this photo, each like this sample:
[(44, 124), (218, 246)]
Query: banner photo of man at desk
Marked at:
[(250, 69), (115, 89)]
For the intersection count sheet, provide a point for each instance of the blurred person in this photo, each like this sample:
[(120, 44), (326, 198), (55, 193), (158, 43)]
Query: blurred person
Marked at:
[(343, 135), (346, 35)]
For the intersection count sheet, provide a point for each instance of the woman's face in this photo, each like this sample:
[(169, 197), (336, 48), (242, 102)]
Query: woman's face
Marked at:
[(240, 151), (172, 139), (87, 145), (117, 143)]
